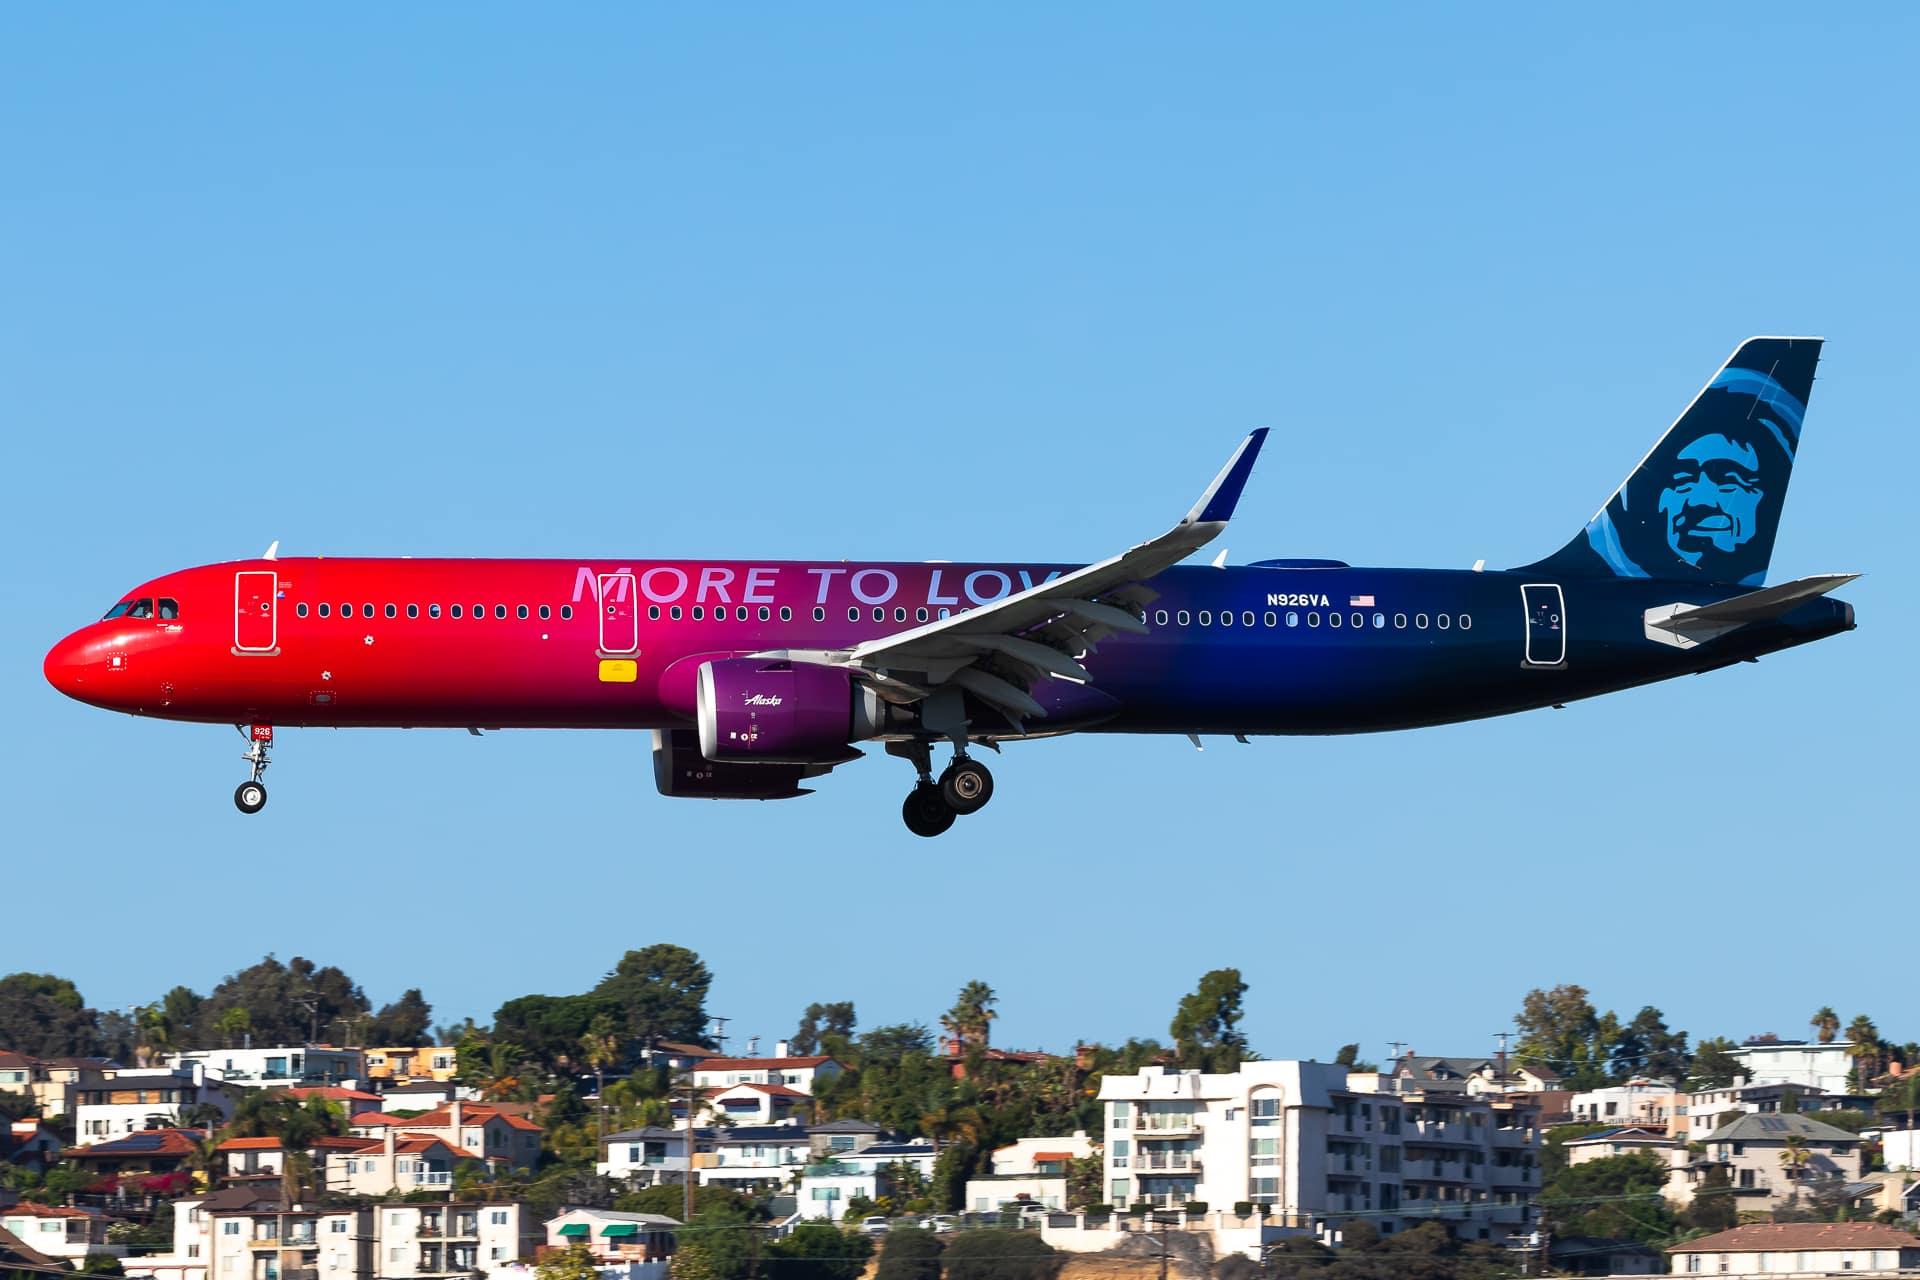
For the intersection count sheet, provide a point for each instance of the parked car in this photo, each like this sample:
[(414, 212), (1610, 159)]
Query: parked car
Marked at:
[(878, 1225), (939, 1223)]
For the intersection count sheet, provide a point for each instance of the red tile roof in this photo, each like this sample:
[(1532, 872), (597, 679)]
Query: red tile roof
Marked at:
[(332, 1093), (757, 1064), (1802, 1236), (27, 1209), (1052, 1155), (172, 1142), (250, 1144)]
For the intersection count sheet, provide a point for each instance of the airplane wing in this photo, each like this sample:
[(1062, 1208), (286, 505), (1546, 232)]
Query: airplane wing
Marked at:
[(1686, 625), (997, 652)]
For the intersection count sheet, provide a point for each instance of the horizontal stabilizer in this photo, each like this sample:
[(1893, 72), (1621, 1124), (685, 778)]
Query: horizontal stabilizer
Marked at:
[(1686, 625)]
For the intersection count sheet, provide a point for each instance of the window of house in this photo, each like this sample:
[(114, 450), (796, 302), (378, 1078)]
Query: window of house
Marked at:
[(1118, 1148), (1122, 1112), (230, 1227)]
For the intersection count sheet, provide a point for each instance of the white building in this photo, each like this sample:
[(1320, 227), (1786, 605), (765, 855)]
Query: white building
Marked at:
[(1640, 1102), (277, 1068), (784, 1069), (1900, 1148), (1817, 1066), (1313, 1145), (1706, 1107), (130, 1101), (625, 1246), (758, 1155), (644, 1157), (1031, 1171), (1804, 1248), (72, 1234)]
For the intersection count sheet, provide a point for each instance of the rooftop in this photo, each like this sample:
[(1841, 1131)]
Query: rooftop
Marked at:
[(1802, 1235), (1778, 1128)]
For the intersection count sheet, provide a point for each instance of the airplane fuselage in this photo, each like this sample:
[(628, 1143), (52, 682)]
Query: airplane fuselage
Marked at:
[(1263, 649)]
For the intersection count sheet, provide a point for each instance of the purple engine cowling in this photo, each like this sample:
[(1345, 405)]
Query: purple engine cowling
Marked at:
[(680, 770), (774, 711)]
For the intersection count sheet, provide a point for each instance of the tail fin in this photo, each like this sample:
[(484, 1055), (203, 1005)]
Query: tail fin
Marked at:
[(1705, 503)]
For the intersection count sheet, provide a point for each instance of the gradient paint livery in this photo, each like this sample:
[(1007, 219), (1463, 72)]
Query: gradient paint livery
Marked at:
[(1275, 647)]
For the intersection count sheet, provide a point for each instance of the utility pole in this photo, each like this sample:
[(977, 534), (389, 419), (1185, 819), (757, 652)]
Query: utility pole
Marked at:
[(693, 1094), (1162, 1224), (720, 1031)]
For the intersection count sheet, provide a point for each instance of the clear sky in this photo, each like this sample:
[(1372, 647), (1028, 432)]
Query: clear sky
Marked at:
[(963, 283)]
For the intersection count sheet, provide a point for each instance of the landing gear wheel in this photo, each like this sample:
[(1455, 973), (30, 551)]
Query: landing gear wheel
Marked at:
[(250, 797), (966, 786), (925, 812)]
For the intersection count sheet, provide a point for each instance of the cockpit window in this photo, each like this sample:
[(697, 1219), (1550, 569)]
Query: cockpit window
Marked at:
[(169, 609), (132, 609)]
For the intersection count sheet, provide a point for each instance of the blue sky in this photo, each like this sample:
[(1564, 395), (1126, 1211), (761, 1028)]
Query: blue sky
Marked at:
[(988, 283)]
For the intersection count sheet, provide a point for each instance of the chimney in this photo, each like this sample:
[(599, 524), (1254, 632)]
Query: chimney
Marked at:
[(783, 1048), (453, 1114), (386, 1145)]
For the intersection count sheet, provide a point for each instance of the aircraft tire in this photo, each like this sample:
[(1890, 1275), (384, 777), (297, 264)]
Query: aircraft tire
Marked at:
[(925, 811), (966, 786), (250, 797)]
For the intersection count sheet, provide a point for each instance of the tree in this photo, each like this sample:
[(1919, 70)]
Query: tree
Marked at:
[(575, 1262), (1615, 1197), (1562, 1029), (42, 1015), (1863, 1046), (996, 1254), (1714, 1066), (1349, 1057), (404, 1023), (17, 1106), (909, 1254), (970, 1021), (1645, 1047), (1902, 1099), (232, 1024), (1205, 1026), (1794, 1157), (1825, 1022), (717, 1244), (820, 1251), (1712, 1208), (601, 1049), (288, 1003), (661, 994), (823, 1024)]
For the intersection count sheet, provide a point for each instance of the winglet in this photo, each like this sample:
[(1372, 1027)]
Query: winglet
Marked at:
[(1217, 503)]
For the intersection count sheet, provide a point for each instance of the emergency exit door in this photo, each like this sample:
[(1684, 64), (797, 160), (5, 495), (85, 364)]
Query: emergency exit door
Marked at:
[(256, 625), (1546, 611), (619, 620)]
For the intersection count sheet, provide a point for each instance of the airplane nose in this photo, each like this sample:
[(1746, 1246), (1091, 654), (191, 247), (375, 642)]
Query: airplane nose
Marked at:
[(65, 667)]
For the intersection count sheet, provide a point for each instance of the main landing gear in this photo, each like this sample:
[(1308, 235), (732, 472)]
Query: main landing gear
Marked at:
[(931, 807), (251, 795)]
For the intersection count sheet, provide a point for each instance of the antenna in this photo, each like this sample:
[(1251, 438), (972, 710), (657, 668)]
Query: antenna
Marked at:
[(720, 1022), (1396, 1046)]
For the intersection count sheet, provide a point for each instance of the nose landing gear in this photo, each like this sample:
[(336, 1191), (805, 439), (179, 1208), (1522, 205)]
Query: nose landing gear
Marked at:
[(251, 795), (931, 807)]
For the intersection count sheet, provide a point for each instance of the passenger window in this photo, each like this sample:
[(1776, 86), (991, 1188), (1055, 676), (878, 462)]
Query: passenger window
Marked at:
[(1359, 620), (653, 613), (1442, 621), (674, 613), (300, 610), (945, 614), (520, 612), (819, 614), (453, 611), (765, 613), (919, 615), (1420, 621), (1333, 619), (1206, 617), (1184, 617), (1226, 617), (500, 612), (413, 611), (1379, 620), (546, 611), (879, 615), (699, 614), (566, 612), (1400, 622), (853, 614), (1246, 619), (170, 610), (899, 615), (1160, 617), (324, 609), (1272, 618), (391, 611), (1293, 619), (433, 611), (1466, 622), (366, 611), (346, 611), (1313, 619), (786, 614)]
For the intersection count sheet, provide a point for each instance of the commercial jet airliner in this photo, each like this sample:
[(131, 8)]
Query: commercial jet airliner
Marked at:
[(756, 676)]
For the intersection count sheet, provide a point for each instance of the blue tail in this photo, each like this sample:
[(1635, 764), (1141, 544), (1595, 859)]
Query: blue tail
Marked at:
[(1705, 503)]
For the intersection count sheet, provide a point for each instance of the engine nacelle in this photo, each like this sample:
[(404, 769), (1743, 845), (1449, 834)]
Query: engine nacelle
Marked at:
[(680, 770), (775, 711)]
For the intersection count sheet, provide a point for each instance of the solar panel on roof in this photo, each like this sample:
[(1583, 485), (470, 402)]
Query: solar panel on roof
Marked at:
[(1773, 1124)]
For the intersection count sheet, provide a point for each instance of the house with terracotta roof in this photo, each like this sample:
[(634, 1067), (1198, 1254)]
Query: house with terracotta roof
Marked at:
[(73, 1234), (489, 1132), (798, 1073), (149, 1151), (350, 1100), (1030, 1171), (1798, 1247)]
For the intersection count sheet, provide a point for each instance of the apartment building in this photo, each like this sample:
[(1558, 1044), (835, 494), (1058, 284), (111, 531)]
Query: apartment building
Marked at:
[(276, 1068), (1641, 1103), (130, 1101), (1826, 1067), (76, 1235), (1312, 1144), (1707, 1108), (400, 1064), (646, 1156), (432, 1241)]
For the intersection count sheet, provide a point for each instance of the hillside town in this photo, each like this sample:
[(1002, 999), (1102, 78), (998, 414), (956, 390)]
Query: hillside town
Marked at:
[(621, 1134)]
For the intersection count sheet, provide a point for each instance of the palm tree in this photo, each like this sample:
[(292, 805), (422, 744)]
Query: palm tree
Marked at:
[(1863, 1046), (601, 1046), (1794, 1156), (1902, 1097), (952, 1121), (971, 1017), (233, 1023), (1826, 1022)]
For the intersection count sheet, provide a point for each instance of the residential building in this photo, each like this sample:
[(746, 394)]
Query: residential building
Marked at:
[(1316, 1144), (1707, 1108), (753, 1156), (1623, 1142), (828, 1187), (1588, 1256), (648, 1156), (129, 1101), (351, 1101), (146, 1153), (1752, 1150), (488, 1131), (58, 1081), (417, 1241), (837, 1137), (421, 1095), (1030, 1171), (73, 1234), (625, 1246), (404, 1065), (1798, 1247), (311, 1064), (30, 1144), (1641, 1103), (1494, 1074), (394, 1162), (1765, 1060), (16, 1072), (1900, 1148), (752, 1103), (798, 1073)]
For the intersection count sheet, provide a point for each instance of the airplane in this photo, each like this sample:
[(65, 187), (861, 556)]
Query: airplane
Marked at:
[(757, 676)]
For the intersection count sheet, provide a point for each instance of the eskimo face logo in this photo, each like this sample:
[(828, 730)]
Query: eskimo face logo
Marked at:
[(762, 700), (1711, 504)]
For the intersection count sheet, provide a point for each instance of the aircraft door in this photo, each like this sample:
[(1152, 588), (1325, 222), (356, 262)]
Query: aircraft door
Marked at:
[(256, 626), (1546, 611), (619, 614)]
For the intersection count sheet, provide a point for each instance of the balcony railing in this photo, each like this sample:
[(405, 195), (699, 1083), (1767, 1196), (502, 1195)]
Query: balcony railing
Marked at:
[(1167, 1162), (1155, 1123), (432, 1178)]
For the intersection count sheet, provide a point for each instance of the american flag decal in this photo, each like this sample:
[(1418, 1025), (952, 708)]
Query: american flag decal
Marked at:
[(1360, 602)]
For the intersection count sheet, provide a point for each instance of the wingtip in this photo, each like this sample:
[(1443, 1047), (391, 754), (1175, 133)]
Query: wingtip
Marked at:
[(1217, 503)]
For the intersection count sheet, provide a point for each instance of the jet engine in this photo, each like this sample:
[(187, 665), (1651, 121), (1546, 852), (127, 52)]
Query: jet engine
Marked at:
[(680, 770), (776, 711)]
